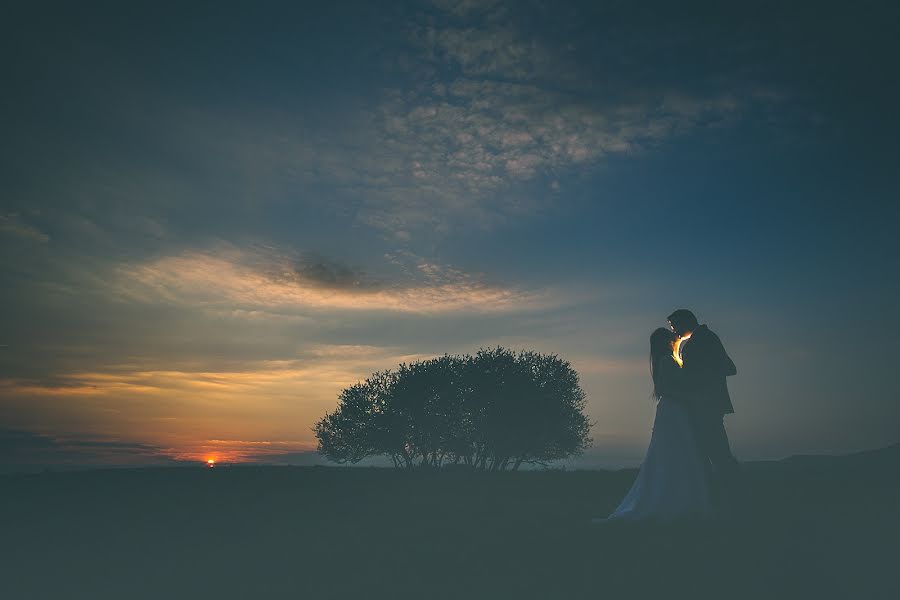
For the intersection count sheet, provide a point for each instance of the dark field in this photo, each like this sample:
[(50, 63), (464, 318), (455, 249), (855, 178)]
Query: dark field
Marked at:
[(809, 529)]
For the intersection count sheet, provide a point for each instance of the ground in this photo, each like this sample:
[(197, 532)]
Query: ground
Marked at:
[(808, 529)]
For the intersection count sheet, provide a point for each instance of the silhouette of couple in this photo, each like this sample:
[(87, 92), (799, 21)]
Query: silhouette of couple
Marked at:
[(689, 453)]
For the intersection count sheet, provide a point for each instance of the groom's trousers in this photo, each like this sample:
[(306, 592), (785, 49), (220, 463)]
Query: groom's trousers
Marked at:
[(709, 428)]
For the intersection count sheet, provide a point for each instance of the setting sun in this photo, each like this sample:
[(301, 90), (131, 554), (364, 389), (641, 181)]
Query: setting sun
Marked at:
[(211, 463)]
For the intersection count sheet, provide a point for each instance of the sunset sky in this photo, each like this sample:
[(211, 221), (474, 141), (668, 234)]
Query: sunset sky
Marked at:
[(214, 218)]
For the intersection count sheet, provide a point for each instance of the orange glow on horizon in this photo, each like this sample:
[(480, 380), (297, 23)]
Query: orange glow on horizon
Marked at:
[(676, 349)]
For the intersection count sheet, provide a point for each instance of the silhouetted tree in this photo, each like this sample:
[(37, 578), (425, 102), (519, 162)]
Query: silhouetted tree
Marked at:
[(493, 411), (356, 429)]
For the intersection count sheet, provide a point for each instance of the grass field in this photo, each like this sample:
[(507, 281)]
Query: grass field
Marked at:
[(809, 529)]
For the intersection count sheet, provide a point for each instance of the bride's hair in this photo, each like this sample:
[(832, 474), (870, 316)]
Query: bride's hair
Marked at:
[(661, 342)]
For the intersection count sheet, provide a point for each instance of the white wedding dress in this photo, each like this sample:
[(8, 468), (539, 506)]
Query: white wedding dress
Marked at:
[(672, 482)]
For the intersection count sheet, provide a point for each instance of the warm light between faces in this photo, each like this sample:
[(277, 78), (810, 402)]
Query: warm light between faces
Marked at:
[(676, 349)]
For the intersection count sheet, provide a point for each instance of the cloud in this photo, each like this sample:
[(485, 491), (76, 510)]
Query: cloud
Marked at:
[(323, 272), (480, 152), (22, 450), (492, 120), (248, 279), (262, 451), (12, 224)]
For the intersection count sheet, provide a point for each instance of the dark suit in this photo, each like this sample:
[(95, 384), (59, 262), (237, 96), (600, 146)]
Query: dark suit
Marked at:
[(706, 365)]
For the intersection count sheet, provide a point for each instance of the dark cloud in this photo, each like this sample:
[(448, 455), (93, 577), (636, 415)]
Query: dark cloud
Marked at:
[(25, 450), (322, 271)]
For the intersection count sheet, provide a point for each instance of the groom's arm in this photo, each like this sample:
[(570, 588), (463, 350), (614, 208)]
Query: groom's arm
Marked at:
[(730, 368), (727, 365), (705, 358)]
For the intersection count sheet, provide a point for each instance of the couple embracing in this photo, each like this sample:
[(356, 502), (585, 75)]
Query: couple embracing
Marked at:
[(689, 450)]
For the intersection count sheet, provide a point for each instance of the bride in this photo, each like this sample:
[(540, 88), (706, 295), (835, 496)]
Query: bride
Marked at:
[(672, 482)]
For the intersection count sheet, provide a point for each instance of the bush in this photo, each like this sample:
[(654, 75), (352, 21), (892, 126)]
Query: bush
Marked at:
[(492, 411)]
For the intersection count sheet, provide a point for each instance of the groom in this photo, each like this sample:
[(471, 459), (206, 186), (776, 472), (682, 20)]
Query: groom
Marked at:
[(706, 365)]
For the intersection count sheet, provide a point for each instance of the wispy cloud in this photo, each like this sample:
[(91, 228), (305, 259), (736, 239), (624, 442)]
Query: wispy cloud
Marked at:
[(252, 279), (493, 108), (13, 224)]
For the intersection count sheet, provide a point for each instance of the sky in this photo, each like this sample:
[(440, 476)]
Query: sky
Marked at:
[(216, 216)]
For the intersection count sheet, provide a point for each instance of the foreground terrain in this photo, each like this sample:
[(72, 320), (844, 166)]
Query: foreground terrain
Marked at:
[(809, 528)]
